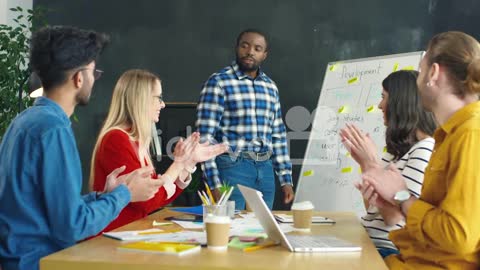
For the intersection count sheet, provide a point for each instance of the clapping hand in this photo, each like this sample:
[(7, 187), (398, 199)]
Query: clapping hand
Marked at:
[(113, 180), (386, 182), (141, 185), (190, 151), (360, 145), (139, 182), (369, 195)]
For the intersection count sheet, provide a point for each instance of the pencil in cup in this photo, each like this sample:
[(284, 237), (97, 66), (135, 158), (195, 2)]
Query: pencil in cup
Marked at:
[(206, 197), (220, 201), (204, 201), (227, 194), (209, 192)]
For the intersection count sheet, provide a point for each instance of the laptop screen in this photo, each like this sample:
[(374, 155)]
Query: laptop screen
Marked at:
[(271, 227)]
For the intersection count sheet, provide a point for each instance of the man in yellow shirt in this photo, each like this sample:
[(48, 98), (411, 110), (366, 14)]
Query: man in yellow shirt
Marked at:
[(442, 226)]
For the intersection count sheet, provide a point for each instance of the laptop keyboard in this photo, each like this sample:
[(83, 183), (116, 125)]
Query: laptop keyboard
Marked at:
[(306, 241)]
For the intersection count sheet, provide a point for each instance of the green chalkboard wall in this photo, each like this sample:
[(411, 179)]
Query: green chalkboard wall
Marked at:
[(184, 41)]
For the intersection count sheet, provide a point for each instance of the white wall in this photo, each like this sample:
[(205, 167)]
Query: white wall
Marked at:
[(7, 16), (3, 11)]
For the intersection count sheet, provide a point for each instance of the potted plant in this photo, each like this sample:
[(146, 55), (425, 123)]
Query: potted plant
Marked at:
[(14, 71)]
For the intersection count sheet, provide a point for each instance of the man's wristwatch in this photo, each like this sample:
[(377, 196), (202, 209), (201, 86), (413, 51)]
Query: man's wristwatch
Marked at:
[(402, 196)]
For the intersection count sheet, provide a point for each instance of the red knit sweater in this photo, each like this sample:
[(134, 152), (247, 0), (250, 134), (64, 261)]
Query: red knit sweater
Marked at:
[(116, 150)]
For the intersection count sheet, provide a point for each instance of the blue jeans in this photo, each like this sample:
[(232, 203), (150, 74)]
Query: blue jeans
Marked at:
[(384, 252), (247, 172)]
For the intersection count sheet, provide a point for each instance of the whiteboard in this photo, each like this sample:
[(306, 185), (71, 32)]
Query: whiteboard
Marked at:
[(350, 93)]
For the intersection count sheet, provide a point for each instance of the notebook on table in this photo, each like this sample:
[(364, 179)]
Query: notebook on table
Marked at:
[(294, 243), (138, 235), (178, 249)]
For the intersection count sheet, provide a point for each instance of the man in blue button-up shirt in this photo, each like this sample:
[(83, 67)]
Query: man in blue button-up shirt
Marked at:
[(41, 209)]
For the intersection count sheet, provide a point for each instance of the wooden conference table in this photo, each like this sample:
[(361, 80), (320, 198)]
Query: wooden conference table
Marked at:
[(101, 252)]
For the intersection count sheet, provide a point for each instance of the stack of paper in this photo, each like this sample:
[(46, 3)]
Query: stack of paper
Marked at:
[(165, 236), (137, 235)]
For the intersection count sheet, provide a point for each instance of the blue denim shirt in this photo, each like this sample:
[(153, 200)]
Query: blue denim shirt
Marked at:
[(41, 208)]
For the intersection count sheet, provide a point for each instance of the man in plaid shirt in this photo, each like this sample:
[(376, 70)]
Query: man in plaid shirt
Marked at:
[(240, 106)]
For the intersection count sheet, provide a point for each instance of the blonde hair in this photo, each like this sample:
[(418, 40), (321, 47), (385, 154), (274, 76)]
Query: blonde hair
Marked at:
[(460, 54), (130, 107)]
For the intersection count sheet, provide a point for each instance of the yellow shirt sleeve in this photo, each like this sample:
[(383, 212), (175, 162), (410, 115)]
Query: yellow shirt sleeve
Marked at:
[(453, 226)]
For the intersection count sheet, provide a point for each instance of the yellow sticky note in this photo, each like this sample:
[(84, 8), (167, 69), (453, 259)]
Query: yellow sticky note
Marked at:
[(348, 154), (371, 108), (156, 223), (308, 173), (385, 149), (346, 170), (342, 109), (353, 80), (395, 67), (333, 67), (408, 68)]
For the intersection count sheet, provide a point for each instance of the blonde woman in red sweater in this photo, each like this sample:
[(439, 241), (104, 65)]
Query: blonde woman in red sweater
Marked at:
[(125, 138)]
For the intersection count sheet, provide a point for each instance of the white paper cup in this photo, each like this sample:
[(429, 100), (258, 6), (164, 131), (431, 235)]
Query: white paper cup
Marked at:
[(302, 216), (218, 230)]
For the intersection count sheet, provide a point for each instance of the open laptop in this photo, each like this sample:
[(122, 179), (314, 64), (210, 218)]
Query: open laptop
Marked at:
[(294, 243)]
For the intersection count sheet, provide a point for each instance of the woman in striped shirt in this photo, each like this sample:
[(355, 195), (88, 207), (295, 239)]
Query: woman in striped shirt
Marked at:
[(409, 147)]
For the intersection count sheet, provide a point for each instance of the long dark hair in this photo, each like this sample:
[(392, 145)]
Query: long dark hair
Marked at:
[(405, 113)]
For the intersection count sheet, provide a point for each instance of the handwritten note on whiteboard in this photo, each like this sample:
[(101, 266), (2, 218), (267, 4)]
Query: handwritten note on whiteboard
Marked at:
[(350, 93)]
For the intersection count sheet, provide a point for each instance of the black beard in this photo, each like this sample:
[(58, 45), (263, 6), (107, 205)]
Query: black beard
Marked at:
[(244, 68), (82, 100)]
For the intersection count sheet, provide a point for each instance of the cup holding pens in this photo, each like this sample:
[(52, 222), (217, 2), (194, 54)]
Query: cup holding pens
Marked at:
[(217, 226), (302, 216)]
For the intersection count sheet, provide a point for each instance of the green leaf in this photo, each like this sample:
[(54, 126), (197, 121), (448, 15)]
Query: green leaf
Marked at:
[(14, 49), (225, 187)]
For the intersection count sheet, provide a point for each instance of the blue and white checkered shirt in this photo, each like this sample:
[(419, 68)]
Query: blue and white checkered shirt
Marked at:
[(246, 113)]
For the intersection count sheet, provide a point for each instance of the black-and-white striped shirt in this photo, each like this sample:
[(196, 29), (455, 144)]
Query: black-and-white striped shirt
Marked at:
[(412, 166)]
